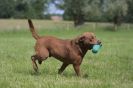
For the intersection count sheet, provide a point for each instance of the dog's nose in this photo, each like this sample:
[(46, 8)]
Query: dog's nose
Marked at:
[(99, 42)]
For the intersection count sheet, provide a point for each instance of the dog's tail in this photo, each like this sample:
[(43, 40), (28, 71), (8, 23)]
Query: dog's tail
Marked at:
[(32, 29)]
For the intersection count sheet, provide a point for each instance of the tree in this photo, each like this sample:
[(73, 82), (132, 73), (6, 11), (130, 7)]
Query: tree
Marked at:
[(83, 10), (29, 9), (74, 11), (116, 10), (22, 8), (129, 16), (38, 6), (93, 10), (6, 8)]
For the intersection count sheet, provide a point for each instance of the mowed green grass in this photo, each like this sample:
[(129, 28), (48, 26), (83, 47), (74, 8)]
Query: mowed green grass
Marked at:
[(112, 67)]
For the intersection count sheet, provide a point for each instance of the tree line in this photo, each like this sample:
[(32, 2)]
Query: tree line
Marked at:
[(116, 11), (22, 9)]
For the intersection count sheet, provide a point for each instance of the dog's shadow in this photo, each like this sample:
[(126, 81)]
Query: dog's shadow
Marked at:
[(26, 72), (47, 72)]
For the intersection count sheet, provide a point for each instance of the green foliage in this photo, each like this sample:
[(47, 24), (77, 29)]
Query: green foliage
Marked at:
[(100, 10), (76, 10), (129, 17), (38, 6), (92, 10), (73, 7), (22, 8), (6, 8), (116, 8)]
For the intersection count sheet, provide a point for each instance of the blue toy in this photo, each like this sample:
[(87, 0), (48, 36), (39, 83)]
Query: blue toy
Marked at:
[(96, 48)]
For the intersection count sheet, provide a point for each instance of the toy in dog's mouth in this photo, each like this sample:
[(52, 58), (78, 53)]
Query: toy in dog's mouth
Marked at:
[(96, 48)]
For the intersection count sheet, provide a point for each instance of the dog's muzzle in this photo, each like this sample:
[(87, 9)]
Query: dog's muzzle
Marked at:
[(99, 42)]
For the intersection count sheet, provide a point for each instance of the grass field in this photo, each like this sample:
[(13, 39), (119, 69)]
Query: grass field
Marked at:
[(112, 67)]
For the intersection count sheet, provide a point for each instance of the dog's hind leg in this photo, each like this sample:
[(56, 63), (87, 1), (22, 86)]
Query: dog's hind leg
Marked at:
[(44, 54), (77, 69), (41, 54), (34, 58), (39, 58)]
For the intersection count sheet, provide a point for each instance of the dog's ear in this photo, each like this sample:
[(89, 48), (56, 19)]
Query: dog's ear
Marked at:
[(80, 39)]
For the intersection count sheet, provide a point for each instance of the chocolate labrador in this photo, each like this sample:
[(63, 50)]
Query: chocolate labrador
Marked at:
[(69, 51)]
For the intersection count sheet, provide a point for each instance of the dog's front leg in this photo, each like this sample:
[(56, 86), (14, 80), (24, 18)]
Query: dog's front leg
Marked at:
[(64, 65)]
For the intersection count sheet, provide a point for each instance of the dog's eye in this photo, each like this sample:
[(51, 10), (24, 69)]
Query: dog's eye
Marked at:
[(93, 37)]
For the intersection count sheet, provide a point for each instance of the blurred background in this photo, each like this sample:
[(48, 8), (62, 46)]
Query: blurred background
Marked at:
[(78, 11), (110, 20)]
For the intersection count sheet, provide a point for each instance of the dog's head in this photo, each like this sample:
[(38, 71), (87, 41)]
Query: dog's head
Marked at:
[(87, 39)]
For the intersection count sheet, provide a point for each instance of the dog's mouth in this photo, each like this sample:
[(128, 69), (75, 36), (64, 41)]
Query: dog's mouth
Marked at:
[(98, 43), (91, 46)]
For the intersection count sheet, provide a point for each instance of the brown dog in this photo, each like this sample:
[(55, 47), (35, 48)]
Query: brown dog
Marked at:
[(68, 51)]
